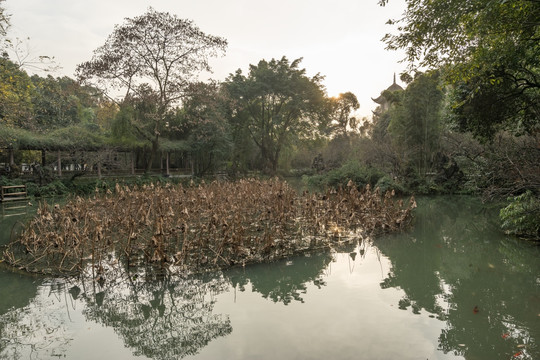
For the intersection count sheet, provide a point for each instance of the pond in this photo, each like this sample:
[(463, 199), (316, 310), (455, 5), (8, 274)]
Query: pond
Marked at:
[(453, 287)]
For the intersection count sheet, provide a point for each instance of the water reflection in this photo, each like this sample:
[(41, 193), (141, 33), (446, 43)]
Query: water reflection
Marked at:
[(161, 317), (156, 315), (456, 266), (283, 281), (17, 290), (37, 328)]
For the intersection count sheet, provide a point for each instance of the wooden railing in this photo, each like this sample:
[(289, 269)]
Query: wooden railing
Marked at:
[(13, 193)]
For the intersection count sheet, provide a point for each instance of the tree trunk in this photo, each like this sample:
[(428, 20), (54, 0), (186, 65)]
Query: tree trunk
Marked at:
[(275, 161), (267, 160), (153, 152), (11, 158)]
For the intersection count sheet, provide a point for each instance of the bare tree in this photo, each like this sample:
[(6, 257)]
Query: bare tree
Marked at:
[(156, 51)]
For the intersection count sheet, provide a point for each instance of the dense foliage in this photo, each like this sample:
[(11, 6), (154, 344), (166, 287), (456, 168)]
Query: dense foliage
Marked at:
[(279, 104), (488, 55), (253, 122), (521, 215), (488, 49), (15, 94), (415, 122)]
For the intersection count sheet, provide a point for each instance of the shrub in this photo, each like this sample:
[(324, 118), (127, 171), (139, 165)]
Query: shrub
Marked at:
[(360, 174), (386, 183), (33, 189), (4, 181), (54, 188), (522, 215)]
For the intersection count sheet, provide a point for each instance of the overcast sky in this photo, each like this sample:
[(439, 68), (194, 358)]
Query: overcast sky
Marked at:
[(339, 39)]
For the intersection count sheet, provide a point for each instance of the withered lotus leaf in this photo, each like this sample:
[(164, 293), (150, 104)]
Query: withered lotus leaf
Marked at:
[(216, 224)]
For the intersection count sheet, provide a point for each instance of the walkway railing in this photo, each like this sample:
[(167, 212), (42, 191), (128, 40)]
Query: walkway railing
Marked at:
[(13, 193)]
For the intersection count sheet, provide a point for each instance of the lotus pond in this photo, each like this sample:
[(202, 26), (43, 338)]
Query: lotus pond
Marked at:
[(451, 287)]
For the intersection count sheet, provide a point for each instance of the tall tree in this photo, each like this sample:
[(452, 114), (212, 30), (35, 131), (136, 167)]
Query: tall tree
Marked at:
[(135, 121), (414, 121), (490, 48), (54, 106), (278, 102), (342, 108), (204, 124), (16, 90), (157, 49)]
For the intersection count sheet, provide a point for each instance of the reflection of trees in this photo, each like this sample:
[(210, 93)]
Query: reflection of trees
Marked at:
[(17, 291), (455, 259), (12, 225), (38, 329), (158, 316), (14, 288), (285, 280), (161, 317)]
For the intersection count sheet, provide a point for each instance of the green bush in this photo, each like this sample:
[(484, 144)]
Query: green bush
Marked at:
[(360, 174), (386, 183), (85, 186), (4, 181), (33, 189), (522, 215), (56, 187), (301, 172)]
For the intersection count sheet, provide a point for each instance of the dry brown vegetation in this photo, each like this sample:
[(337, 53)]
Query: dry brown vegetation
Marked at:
[(219, 224)]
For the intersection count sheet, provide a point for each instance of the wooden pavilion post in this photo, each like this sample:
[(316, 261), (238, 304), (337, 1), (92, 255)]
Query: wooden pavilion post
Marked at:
[(59, 163), (167, 164), (132, 162)]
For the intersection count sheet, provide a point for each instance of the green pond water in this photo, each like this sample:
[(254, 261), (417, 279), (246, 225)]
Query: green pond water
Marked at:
[(453, 287)]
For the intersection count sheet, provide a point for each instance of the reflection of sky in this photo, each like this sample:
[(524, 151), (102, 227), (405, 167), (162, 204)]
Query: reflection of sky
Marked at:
[(55, 324), (52, 325), (349, 318), (351, 315), (95, 341)]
